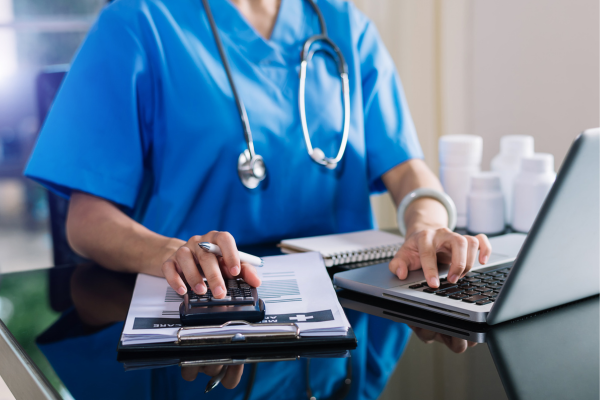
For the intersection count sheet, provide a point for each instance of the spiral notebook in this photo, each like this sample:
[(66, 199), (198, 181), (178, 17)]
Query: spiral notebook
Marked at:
[(347, 248)]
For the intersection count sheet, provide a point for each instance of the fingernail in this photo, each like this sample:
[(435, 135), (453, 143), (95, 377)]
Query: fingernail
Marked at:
[(181, 291), (199, 288), (434, 281), (453, 278), (485, 259), (235, 270), (219, 290)]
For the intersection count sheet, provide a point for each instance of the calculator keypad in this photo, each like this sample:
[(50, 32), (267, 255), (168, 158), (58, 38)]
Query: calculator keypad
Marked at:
[(238, 293)]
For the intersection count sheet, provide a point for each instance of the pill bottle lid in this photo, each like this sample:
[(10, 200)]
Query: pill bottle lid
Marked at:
[(516, 146), (489, 181), (460, 149), (539, 163)]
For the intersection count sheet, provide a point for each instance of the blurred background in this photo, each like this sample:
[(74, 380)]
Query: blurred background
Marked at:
[(483, 67)]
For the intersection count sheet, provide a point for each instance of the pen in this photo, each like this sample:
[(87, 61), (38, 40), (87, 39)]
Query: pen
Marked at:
[(244, 257), (215, 380)]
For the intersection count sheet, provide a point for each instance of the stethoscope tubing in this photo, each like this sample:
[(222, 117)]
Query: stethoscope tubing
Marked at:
[(251, 167)]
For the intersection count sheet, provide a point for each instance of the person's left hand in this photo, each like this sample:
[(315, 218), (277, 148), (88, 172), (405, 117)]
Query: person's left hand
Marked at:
[(428, 247), (456, 345)]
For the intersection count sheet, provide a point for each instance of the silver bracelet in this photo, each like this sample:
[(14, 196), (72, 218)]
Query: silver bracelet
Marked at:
[(431, 193)]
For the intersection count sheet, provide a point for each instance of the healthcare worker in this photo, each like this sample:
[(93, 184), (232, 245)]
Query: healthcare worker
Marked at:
[(192, 120)]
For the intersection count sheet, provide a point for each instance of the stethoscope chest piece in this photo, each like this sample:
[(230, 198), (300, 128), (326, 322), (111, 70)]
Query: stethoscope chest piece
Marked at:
[(251, 170)]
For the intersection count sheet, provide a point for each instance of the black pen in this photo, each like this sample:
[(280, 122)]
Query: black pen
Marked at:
[(215, 380)]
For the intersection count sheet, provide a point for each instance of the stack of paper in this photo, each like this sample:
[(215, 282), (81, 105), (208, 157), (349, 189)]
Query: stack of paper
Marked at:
[(295, 288)]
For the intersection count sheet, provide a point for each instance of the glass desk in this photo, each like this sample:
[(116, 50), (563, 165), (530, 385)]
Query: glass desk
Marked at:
[(402, 352)]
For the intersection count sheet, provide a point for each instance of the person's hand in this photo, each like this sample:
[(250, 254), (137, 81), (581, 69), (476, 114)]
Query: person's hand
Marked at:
[(428, 247), (194, 263), (230, 380), (455, 344)]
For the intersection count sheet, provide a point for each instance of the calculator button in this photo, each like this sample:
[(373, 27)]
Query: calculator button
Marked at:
[(193, 299), (238, 298), (226, 298), (249, 298), (203, 299)]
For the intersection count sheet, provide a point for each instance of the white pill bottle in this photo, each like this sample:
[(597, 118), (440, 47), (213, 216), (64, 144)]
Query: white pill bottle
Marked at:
[(485, 204), (460, 157), (507, 163), (531, 186)]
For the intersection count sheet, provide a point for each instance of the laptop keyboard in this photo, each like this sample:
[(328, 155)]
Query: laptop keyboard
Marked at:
[(481, 287)]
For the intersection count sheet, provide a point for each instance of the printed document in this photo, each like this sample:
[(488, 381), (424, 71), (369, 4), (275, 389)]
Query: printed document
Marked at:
[(295, 288)]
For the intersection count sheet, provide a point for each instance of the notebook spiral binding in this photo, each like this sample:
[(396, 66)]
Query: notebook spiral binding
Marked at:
[(373, 253)]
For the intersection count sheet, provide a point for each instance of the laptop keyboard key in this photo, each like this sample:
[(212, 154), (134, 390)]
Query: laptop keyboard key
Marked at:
[(471, 292), (418, 285), (483, 302), (443, 293), (459, 296), (454, 290), (477, 284), (474, 299)]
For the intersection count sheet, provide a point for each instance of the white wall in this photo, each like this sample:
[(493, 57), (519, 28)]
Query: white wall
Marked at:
[(492, 68), (535, 67)]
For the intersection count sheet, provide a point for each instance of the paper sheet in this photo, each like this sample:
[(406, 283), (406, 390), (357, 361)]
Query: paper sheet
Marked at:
[(295, 288)]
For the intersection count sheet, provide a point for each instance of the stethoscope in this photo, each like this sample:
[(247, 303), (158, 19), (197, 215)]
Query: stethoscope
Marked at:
[(251, 166)]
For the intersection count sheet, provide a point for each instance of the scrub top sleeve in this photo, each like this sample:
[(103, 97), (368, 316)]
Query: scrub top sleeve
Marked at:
[(390, 133), (93, 138)]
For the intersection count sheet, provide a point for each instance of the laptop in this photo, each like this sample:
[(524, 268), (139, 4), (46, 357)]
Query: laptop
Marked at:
[(558, 262), (550, 355)]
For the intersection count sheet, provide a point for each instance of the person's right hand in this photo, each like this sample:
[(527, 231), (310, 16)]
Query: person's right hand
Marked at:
[(195, 264), (230, 380)]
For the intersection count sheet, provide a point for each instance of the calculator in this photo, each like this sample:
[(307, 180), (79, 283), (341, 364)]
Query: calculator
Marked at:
[(240, 303)]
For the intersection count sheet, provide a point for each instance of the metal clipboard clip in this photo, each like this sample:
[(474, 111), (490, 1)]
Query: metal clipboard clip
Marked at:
[(246, 337)]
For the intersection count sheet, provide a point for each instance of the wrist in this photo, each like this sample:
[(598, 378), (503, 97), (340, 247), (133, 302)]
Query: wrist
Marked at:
[(163, 252), (425, 213)]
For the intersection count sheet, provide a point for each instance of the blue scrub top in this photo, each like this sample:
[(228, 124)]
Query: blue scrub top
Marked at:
[(146, 119)]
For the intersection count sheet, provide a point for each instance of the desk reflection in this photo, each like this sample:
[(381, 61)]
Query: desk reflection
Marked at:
[(548, 355), (81, 347)]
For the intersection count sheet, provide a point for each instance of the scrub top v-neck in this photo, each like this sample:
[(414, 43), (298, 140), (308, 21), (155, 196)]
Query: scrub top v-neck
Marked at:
[(146, 119)]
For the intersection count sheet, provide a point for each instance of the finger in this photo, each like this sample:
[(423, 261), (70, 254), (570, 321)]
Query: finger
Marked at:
[(212, 370), (226, 243), (210, 268), (471, 344), (473, 246), (458, 245), (457, 345), (427, 255), (189, 373), (232, 376), (485, 248), (173, 278), (250, 275), (224, 270), (399, 266), (423, 334), (186, 261)]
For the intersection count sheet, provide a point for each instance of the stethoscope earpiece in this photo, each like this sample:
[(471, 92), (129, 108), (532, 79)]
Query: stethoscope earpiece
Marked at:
[(318, 156)]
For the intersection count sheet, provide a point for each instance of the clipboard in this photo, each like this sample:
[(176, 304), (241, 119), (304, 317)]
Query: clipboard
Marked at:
[(243, 341), (150, 360)]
